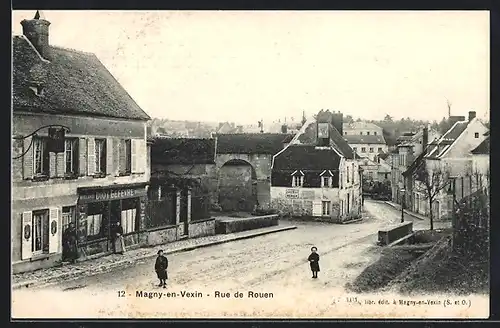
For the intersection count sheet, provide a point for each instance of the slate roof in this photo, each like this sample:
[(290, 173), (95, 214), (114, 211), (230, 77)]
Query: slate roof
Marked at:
[(361, 126), (308, 136), (483, 148), (182, 151), (74, 82), (439, 147), (288, 138), (250, 143), (306, 157), (364, 139)]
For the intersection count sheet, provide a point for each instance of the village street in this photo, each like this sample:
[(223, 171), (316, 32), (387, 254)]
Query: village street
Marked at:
[(274, 263)]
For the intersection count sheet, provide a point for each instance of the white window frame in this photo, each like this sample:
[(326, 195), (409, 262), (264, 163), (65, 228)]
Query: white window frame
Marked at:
[(326, 208), (74, 143), (45, 220), (297, 178), (92, 219), (99, 145), (39, 145)]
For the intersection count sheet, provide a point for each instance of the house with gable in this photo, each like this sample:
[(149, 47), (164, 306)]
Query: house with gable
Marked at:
[(316, 174), (447, 160), (481, 164), (365, 138), (100, 175)]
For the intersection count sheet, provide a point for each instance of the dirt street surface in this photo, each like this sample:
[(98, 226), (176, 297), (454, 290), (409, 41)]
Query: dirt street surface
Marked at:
[(273, 267)]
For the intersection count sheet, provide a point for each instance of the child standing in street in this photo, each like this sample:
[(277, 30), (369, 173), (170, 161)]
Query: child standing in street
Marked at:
[(314, 261), (161, 266)]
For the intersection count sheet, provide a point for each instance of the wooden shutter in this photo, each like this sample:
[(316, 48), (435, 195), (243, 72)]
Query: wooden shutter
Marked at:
[(54, 230), (60, 164), (109, 156), (91, 156), (141, 156), (317, 209), (28, 159), (82, 156), (52, 164), (27, 232), (133, 151)]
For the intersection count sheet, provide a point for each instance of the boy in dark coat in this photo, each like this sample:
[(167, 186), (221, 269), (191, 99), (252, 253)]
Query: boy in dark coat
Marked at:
[(161, 266), (70, 249), (314, 261)]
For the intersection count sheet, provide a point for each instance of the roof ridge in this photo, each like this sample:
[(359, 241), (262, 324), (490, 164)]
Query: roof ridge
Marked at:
[(73, 50)]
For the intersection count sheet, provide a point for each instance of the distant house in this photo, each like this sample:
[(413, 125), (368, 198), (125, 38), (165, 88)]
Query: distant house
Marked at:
[(377, 170), (481, 163), (243, 164), (449, 156), (182, 180), (316, 173), (366, 139)]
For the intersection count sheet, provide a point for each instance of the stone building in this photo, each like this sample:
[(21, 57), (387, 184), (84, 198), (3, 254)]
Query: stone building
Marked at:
[(316, 174), (182, 184), (365, 138), (101, 175)]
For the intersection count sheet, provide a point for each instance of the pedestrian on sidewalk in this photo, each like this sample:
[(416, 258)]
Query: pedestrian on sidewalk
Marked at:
[(117, 236), (70, 239), (314, 261), (161, 266)]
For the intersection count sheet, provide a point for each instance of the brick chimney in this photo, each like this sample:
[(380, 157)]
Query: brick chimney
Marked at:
[(472, 115), (425, 137), (338, 121), (36, 30)]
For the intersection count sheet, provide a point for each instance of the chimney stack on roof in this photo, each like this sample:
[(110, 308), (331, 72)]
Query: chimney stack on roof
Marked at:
[(36, 30), (472, 115)]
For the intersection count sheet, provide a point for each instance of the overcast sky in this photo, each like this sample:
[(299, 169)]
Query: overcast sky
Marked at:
[(244, 66)]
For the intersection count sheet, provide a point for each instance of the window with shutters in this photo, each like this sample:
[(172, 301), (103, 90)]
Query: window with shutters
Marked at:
[(326, 206), (71, 156), (40, 240), (100, 156), (40, 157)]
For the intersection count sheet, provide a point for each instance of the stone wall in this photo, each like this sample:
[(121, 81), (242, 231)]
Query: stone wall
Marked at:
[(202, 228)]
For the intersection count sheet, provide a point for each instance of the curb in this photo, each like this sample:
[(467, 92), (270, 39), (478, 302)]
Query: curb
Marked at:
[(405, 211), (352, 221), (76, 275)]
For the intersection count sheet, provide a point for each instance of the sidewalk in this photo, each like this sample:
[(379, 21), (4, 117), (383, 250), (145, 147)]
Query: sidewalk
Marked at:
[(415, 215), (106, 263)]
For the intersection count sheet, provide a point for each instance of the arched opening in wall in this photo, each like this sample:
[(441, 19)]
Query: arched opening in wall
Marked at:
[(237, 186)]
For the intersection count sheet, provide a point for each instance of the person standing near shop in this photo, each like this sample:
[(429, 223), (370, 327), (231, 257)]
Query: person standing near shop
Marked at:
[(69, 239), (117, 239), (161, 266)]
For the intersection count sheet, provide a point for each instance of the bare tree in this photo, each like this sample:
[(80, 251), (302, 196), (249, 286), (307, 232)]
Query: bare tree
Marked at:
[(431, 184)]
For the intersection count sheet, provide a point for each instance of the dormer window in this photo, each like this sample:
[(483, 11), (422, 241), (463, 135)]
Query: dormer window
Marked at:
[(37, 89), (326, 179), (297, 178)]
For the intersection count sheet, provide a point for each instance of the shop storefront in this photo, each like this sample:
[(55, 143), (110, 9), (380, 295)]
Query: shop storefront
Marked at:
[(100, 208)]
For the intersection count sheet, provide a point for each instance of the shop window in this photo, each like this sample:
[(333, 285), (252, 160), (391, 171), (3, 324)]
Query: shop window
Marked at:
[(40, 157), (100, 156), (71, 156), (96, 220), (326, 205), (129, 220), (40, 240)]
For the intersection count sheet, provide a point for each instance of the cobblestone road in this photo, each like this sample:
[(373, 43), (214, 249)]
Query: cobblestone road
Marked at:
[(274, 263)]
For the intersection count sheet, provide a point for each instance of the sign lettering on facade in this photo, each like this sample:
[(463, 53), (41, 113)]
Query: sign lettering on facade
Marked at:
[(105, 195), (292, 193)]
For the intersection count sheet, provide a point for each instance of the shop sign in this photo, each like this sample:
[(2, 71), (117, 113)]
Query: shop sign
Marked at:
[(104, 195), (292, 193)]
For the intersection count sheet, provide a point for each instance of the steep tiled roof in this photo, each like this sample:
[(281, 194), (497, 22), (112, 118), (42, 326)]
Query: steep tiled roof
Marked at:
[(483, 148), (288, 138), (308, 136), (455, 131), (361, 126), (364, 139), (250, 143), (182, 151), (306, 157), (73, 82)]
